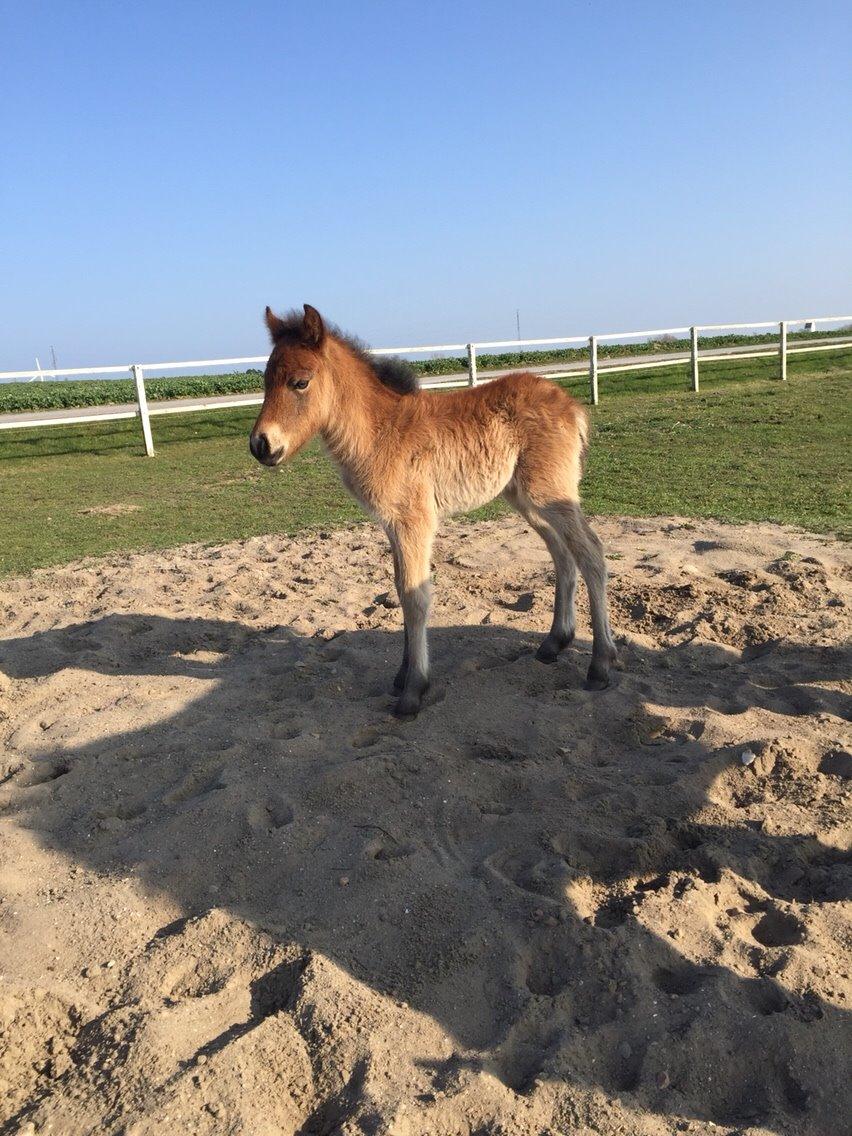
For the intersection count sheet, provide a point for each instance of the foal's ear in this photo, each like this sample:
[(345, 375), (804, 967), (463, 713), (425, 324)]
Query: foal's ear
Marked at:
[(313, 329), (275, 325)]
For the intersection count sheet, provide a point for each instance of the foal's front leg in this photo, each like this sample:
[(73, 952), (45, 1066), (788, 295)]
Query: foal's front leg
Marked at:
[(413, 553), (399, 678)]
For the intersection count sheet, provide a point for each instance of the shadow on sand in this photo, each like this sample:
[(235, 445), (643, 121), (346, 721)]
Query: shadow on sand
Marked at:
[(505, 855)]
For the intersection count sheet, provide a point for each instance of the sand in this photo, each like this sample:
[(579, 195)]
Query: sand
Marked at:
[(237, 896)]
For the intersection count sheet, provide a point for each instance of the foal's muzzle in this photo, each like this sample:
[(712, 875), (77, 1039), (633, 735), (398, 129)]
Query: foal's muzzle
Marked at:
[(260, 448)]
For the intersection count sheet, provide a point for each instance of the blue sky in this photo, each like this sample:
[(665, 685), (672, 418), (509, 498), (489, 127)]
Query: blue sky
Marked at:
[(416, 171)]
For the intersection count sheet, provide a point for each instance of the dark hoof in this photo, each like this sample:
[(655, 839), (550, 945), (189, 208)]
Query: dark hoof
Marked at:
[(550, 647), (407, 708), (597, 678), (412, 699), (547, 653)]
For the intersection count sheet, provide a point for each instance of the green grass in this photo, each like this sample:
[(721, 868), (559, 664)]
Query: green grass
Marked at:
[(746, 448), (49, 395)]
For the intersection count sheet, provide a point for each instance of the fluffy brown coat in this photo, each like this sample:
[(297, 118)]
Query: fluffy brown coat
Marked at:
[(412, 457)]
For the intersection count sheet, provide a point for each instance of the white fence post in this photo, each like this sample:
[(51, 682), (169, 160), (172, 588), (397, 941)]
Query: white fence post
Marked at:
[(142, 399), (471, 364), (782, 350), (593, 369), (693, 342)]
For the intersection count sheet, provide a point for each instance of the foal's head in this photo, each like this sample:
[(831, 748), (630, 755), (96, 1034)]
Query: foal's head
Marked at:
[(297, 387)]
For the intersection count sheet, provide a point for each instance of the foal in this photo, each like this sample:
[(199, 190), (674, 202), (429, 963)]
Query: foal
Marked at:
[(411, 457)]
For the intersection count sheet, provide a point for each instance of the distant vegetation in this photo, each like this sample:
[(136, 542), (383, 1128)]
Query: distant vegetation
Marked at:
[(666, 343), (106, 392)]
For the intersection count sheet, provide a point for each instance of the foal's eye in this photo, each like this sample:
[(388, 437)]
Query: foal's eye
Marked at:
[(299, 384)]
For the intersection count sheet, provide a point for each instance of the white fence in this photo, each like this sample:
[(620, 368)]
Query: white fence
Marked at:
[(144, 411)]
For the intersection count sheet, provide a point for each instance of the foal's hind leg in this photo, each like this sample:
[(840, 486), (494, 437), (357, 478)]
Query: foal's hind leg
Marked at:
[(568, 519), (562, 629)]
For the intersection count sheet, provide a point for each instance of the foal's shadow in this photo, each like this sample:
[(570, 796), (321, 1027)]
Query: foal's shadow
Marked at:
[(503, 855)]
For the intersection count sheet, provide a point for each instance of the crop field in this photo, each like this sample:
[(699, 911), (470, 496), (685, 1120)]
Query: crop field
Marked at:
[(56, 395), (746, 448)]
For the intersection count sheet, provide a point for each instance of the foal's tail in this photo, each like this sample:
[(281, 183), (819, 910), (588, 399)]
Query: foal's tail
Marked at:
[(583, 431)]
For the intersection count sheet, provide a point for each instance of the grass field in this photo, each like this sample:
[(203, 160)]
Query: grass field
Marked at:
[(746, 448)]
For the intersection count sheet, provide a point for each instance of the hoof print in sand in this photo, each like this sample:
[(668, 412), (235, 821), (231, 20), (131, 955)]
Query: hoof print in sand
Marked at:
[(779, 929)]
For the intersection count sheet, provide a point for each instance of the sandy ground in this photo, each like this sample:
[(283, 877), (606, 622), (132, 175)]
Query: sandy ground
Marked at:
[(237, 896)]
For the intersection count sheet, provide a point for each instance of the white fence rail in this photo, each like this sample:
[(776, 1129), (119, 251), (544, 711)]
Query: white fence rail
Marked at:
[(144, 411)]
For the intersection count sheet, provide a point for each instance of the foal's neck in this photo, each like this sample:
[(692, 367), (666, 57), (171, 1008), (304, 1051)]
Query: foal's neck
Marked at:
[(360, 409)]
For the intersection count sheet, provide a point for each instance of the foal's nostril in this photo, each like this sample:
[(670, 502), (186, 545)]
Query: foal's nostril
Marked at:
[(259, 446)]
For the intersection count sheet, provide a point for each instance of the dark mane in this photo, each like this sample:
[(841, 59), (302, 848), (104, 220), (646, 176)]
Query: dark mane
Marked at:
[(390, 370)]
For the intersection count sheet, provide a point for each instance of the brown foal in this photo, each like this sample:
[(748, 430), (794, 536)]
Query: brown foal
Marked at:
[(412, 457)]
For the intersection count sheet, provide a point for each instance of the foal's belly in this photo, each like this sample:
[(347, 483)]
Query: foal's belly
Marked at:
[(459, 489)]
